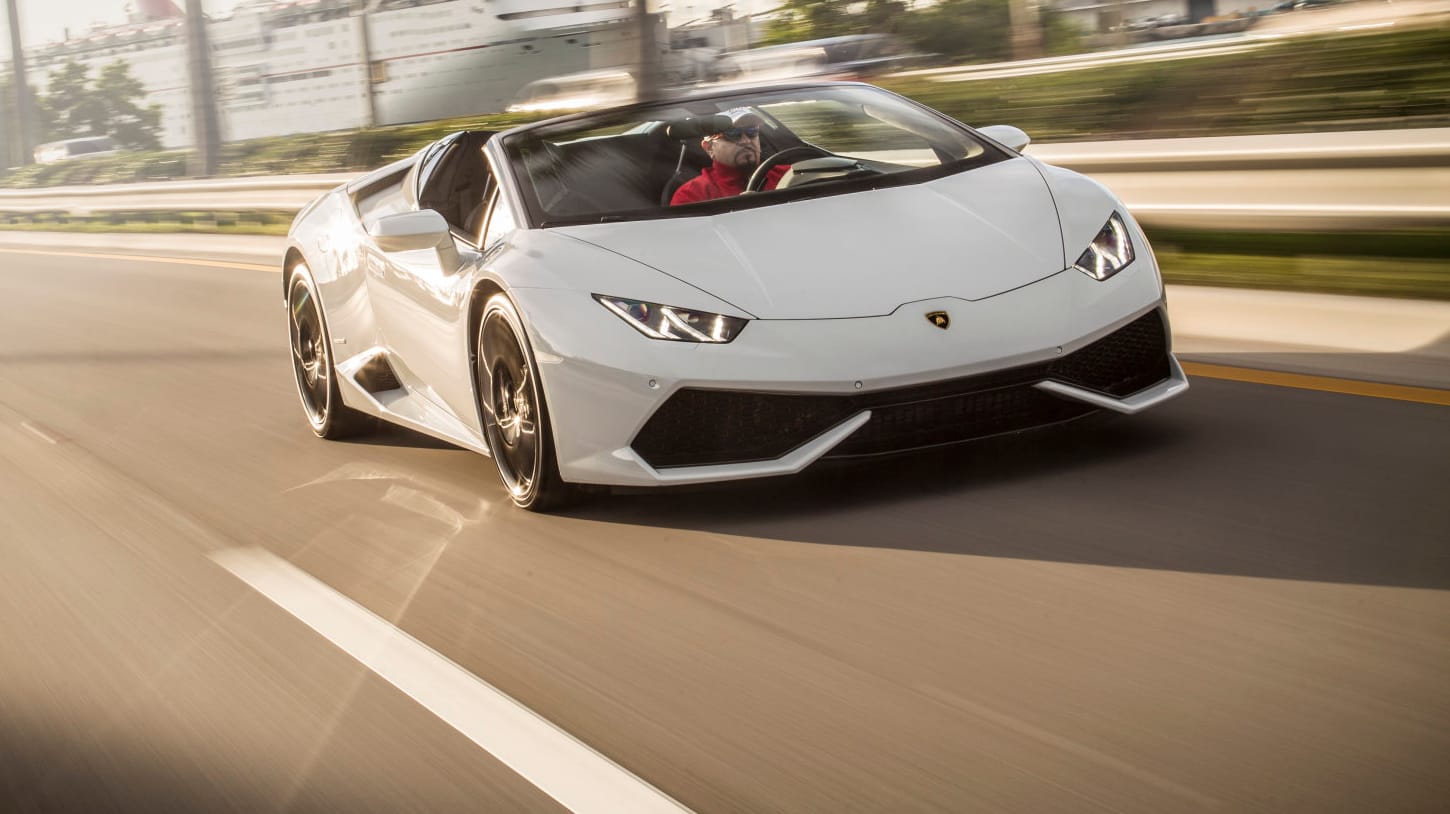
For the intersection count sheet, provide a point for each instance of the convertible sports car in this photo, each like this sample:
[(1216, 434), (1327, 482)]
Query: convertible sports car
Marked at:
[(909, 282)]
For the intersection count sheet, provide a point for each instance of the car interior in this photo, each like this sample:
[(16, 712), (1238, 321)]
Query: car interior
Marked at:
[(630, 172), (459, 186)]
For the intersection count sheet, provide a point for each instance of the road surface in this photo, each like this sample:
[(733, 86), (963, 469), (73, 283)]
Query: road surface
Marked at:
[(1237, 602)]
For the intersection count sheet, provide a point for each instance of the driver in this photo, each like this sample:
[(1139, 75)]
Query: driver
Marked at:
[(734, 153)]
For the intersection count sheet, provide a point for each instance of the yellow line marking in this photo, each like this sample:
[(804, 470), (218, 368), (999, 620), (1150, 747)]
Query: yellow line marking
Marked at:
[(1398, 392), (179, 261)]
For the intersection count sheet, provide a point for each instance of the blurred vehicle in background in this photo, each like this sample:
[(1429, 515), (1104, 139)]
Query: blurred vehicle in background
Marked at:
[(853, 56), (72, 148), (577, 91)]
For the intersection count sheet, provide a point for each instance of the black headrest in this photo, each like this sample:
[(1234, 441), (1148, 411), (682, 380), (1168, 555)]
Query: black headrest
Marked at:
[(698, 127)]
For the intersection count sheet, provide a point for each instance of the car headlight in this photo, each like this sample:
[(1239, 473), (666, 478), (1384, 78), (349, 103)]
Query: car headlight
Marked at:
[(1109, 253), (675, 324)]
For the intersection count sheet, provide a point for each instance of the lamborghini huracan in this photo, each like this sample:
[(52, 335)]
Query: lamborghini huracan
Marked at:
[(889, 280)]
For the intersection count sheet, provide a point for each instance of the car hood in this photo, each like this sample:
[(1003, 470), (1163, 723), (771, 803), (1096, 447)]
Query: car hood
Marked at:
[(971, 235)]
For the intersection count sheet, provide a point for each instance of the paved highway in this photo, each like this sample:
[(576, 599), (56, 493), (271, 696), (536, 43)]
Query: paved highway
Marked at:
[(1238, 602)]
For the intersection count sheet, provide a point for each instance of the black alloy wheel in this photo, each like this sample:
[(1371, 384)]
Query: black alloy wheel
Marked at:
[(515, 418), (312, 363)]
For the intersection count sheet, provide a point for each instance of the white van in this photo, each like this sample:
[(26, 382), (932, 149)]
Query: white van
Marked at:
[(87, 147)]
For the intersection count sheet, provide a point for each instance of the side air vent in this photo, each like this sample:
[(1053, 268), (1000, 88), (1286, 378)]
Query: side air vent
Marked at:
[(376, 375)]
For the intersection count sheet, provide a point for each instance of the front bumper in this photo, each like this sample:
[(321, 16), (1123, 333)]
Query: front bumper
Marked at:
[(632, 411)]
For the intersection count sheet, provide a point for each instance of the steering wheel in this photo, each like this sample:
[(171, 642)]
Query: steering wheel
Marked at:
[(757, 178)]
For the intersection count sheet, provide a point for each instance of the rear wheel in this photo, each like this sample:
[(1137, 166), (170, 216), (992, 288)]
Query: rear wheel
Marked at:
[(515, 418), (312, 363)]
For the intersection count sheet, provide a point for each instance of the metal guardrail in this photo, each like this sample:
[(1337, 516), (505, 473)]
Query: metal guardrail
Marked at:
[(273, 193), (1316, 181)]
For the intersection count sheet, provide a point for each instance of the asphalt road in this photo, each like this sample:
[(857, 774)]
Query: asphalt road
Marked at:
[(1237, 602)]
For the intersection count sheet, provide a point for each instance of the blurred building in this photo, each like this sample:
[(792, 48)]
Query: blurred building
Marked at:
[(722, 30), (1105, 16), (308, 65)]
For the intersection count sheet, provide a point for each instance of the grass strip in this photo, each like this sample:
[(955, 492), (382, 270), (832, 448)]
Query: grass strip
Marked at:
[(239, 223), (1407, 278), (1410, 263)]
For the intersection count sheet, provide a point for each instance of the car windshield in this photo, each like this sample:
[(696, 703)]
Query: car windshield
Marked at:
[(626, 164)]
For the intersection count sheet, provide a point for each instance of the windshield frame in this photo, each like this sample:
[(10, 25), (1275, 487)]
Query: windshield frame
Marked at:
[(510, 143)]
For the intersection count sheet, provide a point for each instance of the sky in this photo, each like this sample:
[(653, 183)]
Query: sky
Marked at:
[(43, 21)]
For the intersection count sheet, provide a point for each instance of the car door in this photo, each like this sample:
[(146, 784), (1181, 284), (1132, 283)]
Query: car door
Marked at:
[(421, 301)]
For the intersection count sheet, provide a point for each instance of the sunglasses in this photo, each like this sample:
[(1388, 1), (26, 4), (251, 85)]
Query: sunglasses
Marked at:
[(737, 133)]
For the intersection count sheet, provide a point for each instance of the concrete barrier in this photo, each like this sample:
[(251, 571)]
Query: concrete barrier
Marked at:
[(1311, 181)]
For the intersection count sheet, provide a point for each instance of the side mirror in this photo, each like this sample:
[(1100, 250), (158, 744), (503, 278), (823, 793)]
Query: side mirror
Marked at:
[(1007, 135), (412, 231)]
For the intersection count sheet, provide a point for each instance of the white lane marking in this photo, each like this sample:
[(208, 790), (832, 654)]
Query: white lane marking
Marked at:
[(561, 766), (1367, 26), (38, 432)]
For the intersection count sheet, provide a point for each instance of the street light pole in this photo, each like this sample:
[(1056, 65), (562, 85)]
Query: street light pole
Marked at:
[(365, 40), (647, 83), (1026, 23), (205, 126), (24, 113)]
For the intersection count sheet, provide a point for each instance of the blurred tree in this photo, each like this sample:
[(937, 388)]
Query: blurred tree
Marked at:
[(884, 16), (968, 29), (132, 126), (69, 108), (962, 29), (797, 20), (1059, 34), (74, 106)]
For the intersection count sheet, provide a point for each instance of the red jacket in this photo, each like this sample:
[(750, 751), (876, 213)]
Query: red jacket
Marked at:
[(721, 181)]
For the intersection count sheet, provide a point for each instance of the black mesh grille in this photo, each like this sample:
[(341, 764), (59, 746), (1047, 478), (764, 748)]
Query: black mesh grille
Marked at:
[(696, 427), (1120, 364), (715, 426), (957, 418)]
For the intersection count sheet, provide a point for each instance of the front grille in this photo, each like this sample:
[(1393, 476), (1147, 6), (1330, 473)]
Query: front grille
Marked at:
[(957, 418), (697, 427), (717, 426), (1120, 364)]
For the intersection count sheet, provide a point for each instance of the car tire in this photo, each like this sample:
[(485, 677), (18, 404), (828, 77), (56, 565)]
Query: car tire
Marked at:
[(515, 416), (312, 367)]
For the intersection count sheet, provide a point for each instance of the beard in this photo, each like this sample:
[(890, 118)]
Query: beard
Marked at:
[(747, 160)]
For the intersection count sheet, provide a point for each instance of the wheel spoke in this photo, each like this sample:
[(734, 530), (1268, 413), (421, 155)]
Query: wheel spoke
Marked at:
[(523, 458), (510, 403), (309, 353)]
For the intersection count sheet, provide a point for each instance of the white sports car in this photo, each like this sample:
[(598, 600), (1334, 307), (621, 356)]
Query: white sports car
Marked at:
[(909, 282)]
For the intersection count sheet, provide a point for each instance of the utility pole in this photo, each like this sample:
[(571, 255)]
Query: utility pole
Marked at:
[(24, 112), (205, 127), (647, 83), (1026, 24), (366, 42)]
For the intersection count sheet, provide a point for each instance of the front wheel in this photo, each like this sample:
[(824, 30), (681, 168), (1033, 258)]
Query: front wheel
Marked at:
[(515, 418)]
